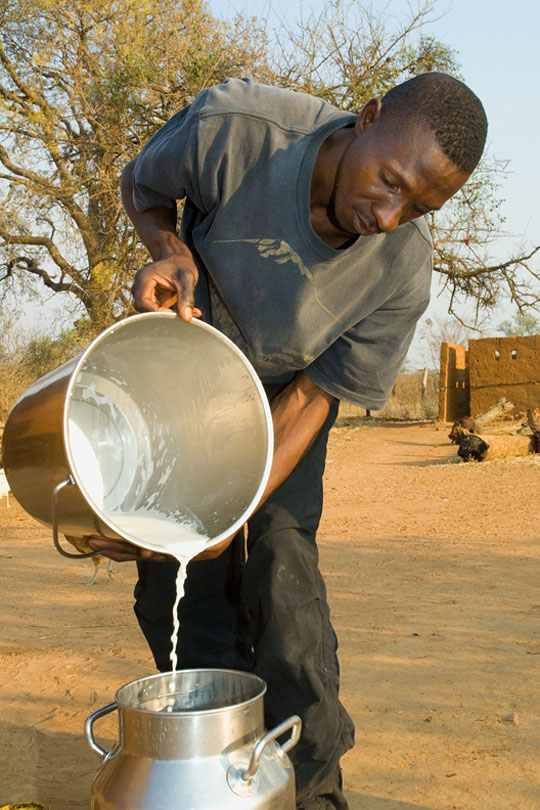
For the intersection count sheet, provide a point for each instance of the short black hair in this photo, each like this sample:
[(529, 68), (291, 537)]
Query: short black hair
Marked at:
[(448, 108)]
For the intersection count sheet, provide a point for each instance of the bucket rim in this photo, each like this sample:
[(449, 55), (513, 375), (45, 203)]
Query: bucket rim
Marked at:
[(192, 712), (82, 359)]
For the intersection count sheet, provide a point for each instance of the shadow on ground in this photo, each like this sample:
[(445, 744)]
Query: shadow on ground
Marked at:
[(53, 769)]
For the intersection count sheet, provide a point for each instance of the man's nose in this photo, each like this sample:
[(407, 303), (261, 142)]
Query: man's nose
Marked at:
[(388, 215)]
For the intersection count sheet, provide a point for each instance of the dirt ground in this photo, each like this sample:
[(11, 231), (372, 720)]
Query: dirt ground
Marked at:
[(433, 572)]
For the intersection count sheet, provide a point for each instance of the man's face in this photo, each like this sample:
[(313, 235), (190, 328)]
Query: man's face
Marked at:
[(389, 176)]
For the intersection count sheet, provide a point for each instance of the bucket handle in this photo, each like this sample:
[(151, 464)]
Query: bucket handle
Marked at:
[(58, 547), (293, 723), (88, 728)]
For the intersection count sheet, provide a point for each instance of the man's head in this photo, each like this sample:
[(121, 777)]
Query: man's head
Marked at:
[(412, 150), (447, 108)]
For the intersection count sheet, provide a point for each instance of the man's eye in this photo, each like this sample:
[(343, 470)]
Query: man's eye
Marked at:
[(388, 183)]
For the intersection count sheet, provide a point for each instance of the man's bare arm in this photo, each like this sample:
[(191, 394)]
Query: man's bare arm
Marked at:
[(172, 275), (298, 413)]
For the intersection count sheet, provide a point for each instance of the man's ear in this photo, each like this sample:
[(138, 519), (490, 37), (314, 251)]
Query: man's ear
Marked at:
[(369, 115)]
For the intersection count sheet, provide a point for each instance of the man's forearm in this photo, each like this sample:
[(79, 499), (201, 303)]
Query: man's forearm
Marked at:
[(172, 275), (156, 227), (298, 413)]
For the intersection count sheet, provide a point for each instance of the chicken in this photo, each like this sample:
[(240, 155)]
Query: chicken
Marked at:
[(4, 487), (471, 447), (465, 424), (84, 548)]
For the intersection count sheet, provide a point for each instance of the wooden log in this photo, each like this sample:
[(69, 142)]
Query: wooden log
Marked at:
[(533, 419), (486, 447), (504, 446), (501, 406)]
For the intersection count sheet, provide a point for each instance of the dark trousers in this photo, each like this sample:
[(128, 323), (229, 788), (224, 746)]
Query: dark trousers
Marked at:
[(267, 614)]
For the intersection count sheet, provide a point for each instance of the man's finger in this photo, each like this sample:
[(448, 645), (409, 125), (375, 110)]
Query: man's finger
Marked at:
[(123, 551), (186, 294), (150, 288)]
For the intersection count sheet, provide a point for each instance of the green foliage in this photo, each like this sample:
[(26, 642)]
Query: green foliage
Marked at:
[(42, 354), (24, 358), (523, 323), (13, 378)]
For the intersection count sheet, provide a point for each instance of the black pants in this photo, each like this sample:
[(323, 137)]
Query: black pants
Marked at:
[(266, 614)]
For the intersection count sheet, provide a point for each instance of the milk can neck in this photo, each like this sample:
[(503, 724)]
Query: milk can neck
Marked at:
[(190, 713)]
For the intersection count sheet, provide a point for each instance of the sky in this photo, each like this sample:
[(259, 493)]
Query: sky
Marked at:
[(497, 46)]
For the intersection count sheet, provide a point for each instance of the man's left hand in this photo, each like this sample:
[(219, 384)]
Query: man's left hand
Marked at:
[(123, 551)]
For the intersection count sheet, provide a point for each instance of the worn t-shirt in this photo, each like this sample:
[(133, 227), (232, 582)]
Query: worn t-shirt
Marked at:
[(242, 155)]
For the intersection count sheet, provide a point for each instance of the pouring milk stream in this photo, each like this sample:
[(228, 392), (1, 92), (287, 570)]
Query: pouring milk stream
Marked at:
[(183, 541)]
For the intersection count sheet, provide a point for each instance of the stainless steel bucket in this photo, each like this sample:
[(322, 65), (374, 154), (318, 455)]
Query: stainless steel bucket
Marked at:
[(194, 740), (156, 417)]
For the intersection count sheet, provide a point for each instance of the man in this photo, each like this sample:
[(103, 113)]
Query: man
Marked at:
[(302, 239)]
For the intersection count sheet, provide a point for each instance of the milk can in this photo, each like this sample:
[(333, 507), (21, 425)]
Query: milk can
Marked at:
[(194, 740)]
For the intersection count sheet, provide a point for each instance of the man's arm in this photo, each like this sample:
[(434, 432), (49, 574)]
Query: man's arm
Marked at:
[(298, 413), (172, 275)]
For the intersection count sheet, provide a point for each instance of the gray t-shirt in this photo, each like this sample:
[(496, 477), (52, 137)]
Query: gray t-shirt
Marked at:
[(242, 155)]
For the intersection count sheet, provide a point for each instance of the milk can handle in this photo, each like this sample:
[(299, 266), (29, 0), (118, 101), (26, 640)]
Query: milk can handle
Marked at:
[(293, 723), (90, 720), (58, 547)]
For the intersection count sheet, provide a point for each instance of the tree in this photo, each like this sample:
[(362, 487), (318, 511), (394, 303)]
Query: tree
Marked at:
[(523, 323), (13, 377), (464, 236), (83, 83)]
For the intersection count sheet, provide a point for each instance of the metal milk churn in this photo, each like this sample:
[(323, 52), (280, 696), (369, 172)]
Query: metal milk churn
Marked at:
[(194, 740)]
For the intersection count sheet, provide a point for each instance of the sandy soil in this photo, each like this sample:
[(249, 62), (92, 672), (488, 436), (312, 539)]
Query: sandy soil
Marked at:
[(432, 570)]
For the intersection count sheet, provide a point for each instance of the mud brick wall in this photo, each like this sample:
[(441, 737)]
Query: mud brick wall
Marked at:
[(504, 367), (453, 383)]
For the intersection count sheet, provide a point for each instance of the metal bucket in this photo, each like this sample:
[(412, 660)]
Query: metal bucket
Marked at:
[(157, 417), (194, 740)]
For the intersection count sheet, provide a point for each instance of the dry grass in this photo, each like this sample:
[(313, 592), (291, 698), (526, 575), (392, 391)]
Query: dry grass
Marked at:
[(406, 401), (13, 382)]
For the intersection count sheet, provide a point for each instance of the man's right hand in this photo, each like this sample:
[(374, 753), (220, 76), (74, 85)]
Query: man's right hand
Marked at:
[(172, 275), (160, 284)]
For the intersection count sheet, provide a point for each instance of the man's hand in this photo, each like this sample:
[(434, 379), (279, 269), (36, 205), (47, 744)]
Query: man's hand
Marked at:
[(160, 284), (123, 551), (172, 275)]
